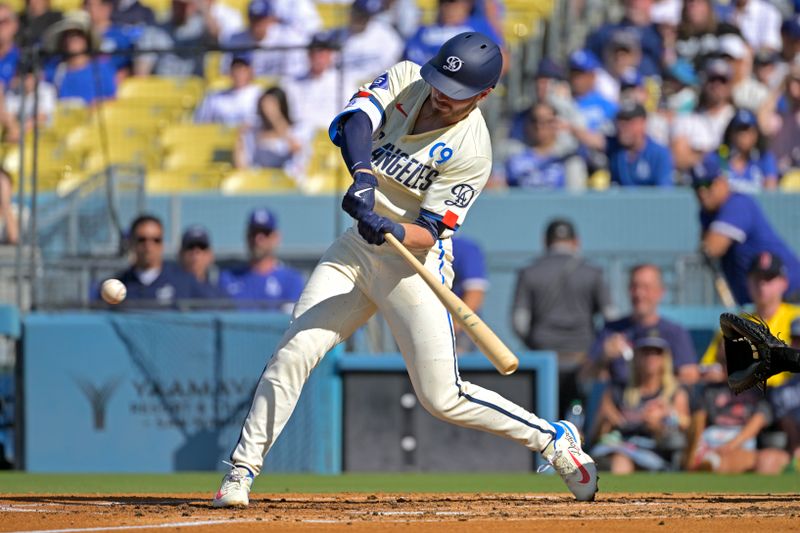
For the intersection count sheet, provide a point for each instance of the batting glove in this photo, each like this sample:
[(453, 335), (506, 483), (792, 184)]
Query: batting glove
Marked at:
[(360, 197), (372, 227)]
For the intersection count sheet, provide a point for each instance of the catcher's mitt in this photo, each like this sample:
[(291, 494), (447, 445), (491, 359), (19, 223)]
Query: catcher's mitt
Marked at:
[(749, 349)]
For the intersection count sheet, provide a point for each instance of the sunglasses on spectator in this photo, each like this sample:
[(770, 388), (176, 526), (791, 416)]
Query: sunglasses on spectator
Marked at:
[(141, 239)]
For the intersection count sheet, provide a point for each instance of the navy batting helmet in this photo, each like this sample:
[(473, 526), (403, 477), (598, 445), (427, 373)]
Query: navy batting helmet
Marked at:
[(465, 65)]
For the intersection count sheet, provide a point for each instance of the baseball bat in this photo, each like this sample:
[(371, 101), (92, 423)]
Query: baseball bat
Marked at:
[(722, 287), (484, 338)]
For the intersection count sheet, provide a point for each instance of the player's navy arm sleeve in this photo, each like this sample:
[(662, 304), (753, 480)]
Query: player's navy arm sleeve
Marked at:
[(356, 141), (431, 222)]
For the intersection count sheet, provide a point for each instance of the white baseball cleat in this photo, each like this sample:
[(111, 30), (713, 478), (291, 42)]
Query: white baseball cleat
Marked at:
[(574, 465), (235, 489)]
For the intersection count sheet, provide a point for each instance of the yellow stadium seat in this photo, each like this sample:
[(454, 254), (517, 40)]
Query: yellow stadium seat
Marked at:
[(326, 172), (16, 5), (65, 6), (161, 8), (790, 182), (185, 92), (67, 117), (333, 15), (172, 182), (90, 138), (197, 135), (260, 180), (53, 162), (120, 154), (71, 181)]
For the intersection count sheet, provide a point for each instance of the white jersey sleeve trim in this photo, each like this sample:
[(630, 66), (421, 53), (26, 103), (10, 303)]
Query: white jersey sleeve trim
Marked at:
[(728, 230), (362, 101)]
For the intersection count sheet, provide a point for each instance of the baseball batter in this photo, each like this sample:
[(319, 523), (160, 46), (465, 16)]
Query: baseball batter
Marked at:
[(419, 152)]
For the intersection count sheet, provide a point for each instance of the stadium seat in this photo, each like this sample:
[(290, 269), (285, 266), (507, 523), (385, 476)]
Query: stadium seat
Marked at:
[(198, 158), (600, 180), (67, 117), (326, 172), (333, 15), (197, 135), (183, 92), (172, 182), (161, 8), (53, 161), (790, 182), (65, 6), (259, 180), (120, 154)]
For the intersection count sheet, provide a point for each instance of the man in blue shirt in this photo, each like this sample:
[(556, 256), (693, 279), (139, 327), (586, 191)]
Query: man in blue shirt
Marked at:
[(612, 350), (113, 37), (469, 282), (264, 283), (453, 17), (9, 52), (736, 230), (150, 280), (634, 158), (597, 111)]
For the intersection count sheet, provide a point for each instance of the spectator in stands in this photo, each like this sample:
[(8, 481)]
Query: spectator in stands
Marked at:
[(751, 166), (747, 92), (758, 20), (621, 55), (636, 22), (767, 284), (35, 20), (265, 282), (22, 89), (237, 106), (197, 258), (556, 300), (266, 31), (790, 37), (320, 84), (597, 110), (696, 134), (634, 158), (784, 143), (402, 15), (678, 89), (271, 143), (470, 283), (768, 69), (697, 32), (632, 88), (79, 76), (151, 279), (735, 230), (641, 424), (9, 51), (133, 13), (728, 425), (186, 28), (452, 17), (544, 163), (301, 15), (9, 225), (361, 59), (222, 20), (113, 37), (613, 348)]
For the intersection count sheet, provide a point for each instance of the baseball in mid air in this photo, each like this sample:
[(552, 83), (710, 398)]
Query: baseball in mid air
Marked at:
[(113, 291)]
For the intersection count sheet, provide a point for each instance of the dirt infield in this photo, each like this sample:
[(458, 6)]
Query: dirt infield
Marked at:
[(404, 512)]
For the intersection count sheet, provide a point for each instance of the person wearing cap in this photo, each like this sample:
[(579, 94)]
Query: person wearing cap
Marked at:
[(265, 282), (556, 300), (783, 142), (698, 133), (470, 283), (758, 20), (546, 161), (641, 424), (678, 88), (150, 280), (611, 351), (790, 38), (185, 28), (748, 92), (266, 31), (735, 230), (637, 22), (452, 18), (79, 76), (322, 85), (598, 111), (751, 166), (197, 258), (113, 37), (621, 55), (768, 69), (236, 106), (361, 59), (133, 13), (767, 286), (420, 154), (632, 87)]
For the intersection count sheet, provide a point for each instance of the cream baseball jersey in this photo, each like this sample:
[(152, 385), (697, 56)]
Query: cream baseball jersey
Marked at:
[(436, 174)]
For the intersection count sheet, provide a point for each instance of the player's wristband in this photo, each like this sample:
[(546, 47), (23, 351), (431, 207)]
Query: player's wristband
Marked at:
[(365, 176)]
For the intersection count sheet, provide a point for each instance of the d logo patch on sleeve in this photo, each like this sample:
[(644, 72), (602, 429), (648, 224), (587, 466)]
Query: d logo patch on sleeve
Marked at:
[(463, 194)]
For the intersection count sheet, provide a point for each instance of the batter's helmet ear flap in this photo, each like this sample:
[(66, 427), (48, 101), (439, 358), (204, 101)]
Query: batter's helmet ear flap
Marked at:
[(465, 65)]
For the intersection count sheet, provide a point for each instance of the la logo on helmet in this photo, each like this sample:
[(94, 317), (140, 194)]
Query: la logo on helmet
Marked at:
[(454, 64)]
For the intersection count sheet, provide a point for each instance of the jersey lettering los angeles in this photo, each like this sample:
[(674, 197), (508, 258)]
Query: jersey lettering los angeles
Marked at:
[(436, 174)]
